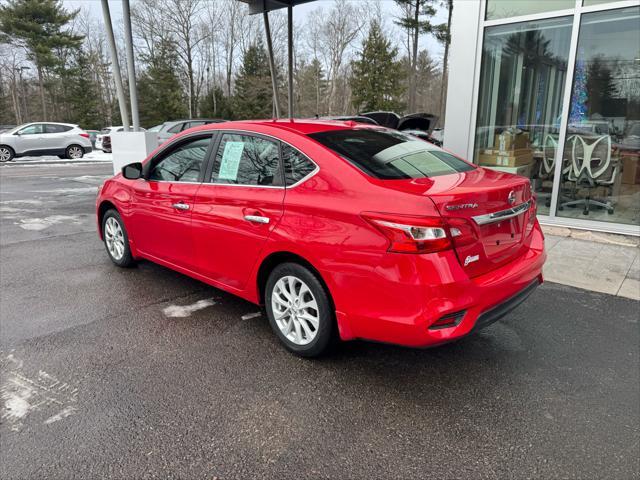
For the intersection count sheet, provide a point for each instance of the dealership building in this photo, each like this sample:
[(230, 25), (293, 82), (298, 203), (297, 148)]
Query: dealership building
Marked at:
[(550, 89)]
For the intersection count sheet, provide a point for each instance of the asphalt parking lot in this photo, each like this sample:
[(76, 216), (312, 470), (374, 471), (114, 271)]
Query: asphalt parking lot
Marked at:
[(145, 373)]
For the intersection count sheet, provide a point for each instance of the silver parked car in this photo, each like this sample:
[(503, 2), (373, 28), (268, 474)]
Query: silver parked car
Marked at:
[(169, 129), (103, 139), (44, 138)]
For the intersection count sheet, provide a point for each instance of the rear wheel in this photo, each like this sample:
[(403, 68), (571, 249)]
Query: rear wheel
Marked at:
[(116, 239), (299, 310), (6, 153), (74, 152)]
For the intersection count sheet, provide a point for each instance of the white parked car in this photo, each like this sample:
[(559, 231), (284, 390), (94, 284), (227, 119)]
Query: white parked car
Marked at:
[(44, 138), (103, 139)]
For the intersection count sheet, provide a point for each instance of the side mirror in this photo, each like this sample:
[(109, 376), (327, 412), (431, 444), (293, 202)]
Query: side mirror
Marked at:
[(18, 133), (133, 171)]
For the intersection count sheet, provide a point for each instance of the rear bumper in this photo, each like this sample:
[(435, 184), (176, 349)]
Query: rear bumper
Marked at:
[(405, 310)]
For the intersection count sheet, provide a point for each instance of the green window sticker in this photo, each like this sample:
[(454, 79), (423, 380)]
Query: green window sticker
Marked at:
[(231, 161)]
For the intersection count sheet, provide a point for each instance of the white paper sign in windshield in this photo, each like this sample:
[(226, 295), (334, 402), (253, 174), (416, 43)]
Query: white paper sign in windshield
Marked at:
[(231, 161)]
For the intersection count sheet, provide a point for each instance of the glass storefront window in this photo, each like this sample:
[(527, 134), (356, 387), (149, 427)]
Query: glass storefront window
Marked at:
[(513, 8), (601, 170), (588, 3), (522, 79)]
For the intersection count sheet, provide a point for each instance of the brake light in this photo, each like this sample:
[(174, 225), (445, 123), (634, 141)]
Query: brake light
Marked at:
[(85, 135), (533, 210), (411, 234), (462, 232)]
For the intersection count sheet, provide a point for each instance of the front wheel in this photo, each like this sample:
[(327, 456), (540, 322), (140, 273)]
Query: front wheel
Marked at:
[(299, 310), (116, 239), (6, 154), (74, 152)]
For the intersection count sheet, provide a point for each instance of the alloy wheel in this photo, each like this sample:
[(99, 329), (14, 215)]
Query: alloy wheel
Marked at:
[(114, 237), (295, 310), (75, 152), (5, 154)]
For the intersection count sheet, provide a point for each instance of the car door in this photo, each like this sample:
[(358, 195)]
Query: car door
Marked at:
[(30, 138), (237, 207), (55, 136), (162, 202)]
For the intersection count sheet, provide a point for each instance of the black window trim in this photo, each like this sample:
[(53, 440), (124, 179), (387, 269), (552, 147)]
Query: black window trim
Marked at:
[(171, 147), (279, 141)]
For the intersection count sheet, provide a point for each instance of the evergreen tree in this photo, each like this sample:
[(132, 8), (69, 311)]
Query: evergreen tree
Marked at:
[(160, 95), (216, 105), (376, 79), (82, 95), (38, 26), (254, 94), (311, 87)]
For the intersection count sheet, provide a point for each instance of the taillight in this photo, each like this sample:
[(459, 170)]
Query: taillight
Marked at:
[(85, 135), (411, 234), (533, 210), (462, 232)]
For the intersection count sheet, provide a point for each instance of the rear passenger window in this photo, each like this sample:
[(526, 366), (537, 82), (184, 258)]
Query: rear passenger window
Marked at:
[(176, 128), (296, 165), (247, 160), (51, 128)]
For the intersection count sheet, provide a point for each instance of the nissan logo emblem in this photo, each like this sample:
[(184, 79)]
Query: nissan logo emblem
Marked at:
[(512, 197)]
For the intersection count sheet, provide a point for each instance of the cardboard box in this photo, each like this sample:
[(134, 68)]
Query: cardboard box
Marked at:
[(508, 141), (630, 169), (497, 158)]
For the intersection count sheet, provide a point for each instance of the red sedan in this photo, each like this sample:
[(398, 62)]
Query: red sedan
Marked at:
[(340, 230)]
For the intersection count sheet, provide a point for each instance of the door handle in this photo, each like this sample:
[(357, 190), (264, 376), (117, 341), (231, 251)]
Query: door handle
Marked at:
[(181, 206), (256, 219)]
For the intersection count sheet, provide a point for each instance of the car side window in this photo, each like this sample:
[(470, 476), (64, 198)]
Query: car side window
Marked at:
[(52, 128), (32, 129), (182, 164), (176, 128), (296, 165), (247, 160)]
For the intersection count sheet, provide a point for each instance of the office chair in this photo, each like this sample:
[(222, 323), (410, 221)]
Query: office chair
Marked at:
[(547, 167), (592, 167)]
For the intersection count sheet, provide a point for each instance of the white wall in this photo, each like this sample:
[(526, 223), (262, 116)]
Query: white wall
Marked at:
[(465, 24)]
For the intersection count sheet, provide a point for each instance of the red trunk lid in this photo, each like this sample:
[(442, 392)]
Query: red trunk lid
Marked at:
[(473, 196)]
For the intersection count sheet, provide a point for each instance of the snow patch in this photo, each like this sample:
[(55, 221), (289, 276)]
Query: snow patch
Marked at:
[(37, 224), (249, 316), (178, 311), (22, 395), (64, 413)]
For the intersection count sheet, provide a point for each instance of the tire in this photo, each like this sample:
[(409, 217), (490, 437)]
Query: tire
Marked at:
[(6, 153), (117, 245), (73, 152), (310, 332)]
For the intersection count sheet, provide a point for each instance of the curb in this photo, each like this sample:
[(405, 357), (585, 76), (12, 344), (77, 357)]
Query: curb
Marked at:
[(57, 162)]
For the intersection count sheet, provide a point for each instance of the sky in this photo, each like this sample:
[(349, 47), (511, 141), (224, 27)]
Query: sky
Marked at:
[(299, 14)]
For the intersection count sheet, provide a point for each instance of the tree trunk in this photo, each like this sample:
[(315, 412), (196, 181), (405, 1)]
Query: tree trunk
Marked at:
[(42, 97), (414, 60), (445, 66)]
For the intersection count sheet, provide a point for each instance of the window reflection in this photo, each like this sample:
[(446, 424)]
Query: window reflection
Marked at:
[(601, 175), (522, 81)]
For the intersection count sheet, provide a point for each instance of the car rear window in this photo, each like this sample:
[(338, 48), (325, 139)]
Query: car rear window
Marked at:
[(390, 155)]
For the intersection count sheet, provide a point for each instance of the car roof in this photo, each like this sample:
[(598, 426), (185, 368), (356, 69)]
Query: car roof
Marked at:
[(301, 126), (51, 123)]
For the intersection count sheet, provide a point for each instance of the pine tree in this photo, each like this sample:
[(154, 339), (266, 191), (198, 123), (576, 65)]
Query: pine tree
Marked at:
[(376, 80), (216, 105), (254, 94), (37, 25), (160, 95), (311, 87), (82, 94)]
